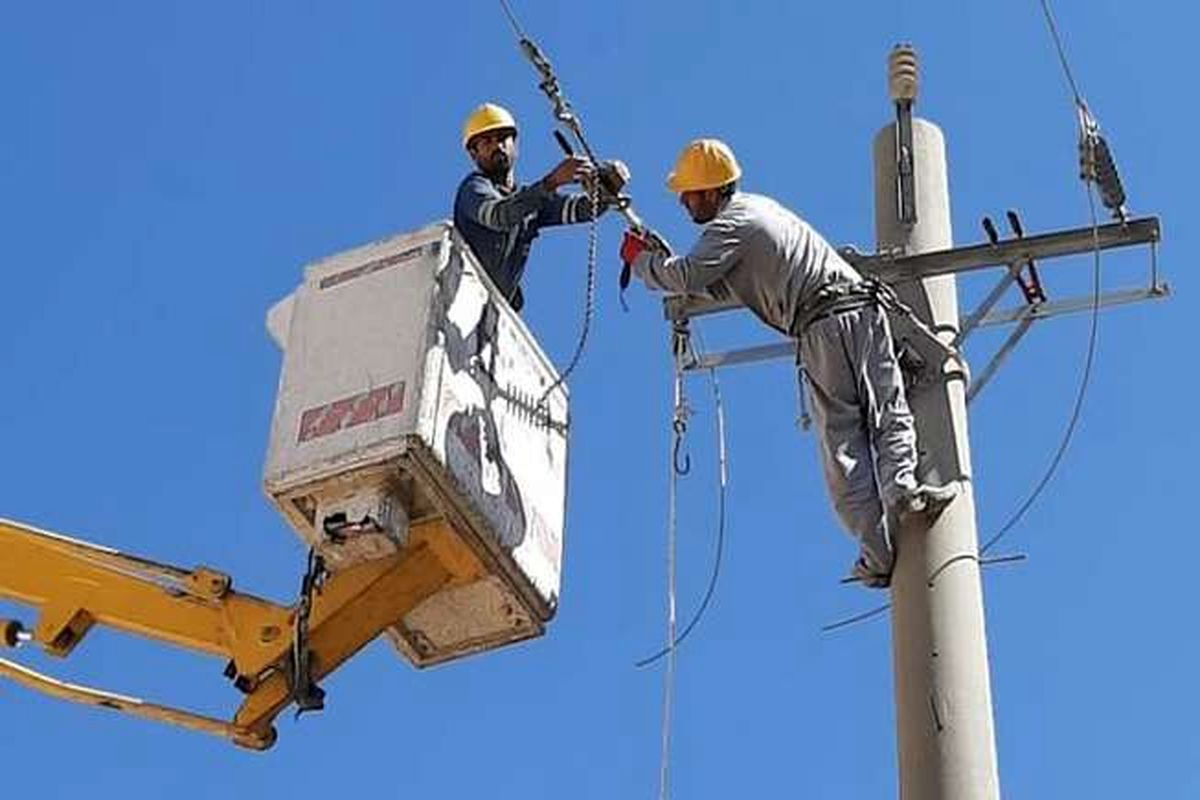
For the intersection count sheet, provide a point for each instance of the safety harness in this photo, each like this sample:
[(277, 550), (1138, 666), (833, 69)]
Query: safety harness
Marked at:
[(843, 296)]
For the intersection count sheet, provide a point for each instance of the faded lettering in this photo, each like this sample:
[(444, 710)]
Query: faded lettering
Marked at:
[(359, 409)]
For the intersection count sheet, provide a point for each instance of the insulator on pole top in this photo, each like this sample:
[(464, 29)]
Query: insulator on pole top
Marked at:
[(1096, 164), (902, 73), (1112, 193)]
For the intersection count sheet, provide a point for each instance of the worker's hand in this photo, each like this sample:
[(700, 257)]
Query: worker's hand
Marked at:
[(632, 246), (656, 242), (571, 169)]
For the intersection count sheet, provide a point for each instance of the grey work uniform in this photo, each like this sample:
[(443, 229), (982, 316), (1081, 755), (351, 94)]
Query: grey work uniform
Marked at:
[(771, 261)]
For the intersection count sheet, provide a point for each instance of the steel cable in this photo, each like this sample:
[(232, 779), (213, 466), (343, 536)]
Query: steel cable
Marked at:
[(589, 306)]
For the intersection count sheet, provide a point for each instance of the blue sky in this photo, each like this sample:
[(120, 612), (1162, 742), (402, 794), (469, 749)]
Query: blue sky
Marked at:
[(168, 168)]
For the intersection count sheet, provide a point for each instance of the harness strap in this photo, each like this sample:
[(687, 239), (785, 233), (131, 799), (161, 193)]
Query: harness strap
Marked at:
[(834, 298), (837, 298)]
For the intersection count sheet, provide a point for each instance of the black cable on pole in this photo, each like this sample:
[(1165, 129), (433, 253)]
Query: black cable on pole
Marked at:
[(1090, 139), (1076, 410), (1089, 359), (720, 547), (857, 618), (1076, 413)]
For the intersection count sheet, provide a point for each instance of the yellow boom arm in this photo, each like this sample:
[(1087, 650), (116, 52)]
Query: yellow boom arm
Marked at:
[(75, 585)]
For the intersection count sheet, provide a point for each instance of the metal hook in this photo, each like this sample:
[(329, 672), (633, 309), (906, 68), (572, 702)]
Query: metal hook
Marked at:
[(686, 466)]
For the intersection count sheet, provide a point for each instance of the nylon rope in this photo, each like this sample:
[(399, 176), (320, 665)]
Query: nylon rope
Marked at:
[(677, 428), (722, 491)]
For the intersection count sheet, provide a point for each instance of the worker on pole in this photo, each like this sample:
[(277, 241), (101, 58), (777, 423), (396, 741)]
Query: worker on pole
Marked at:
[(754, 250), (500, 220)]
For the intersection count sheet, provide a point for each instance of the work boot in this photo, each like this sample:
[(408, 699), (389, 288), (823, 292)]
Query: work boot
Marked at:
[(870, 575), (929, 500)]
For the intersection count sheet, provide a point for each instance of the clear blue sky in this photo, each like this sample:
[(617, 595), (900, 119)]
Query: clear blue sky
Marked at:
[(167, 169)]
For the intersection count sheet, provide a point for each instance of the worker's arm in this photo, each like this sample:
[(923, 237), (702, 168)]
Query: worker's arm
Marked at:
[(579, 207), (718, 250), (568, 210), (478, 199)]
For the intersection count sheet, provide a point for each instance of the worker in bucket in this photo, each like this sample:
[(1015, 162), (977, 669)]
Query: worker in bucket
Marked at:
[(499, 219), (754, 250)]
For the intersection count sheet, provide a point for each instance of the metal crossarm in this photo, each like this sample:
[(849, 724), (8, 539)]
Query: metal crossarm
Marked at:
[(893, 269), (1011, 254), (787, 349)]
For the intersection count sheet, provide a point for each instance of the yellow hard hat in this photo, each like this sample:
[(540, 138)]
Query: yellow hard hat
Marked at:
[(704, 164), (488, 117)]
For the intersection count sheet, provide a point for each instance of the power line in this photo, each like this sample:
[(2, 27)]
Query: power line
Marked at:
[(1062, 53), (1084, 381), (512, 19), (1088, 142), (1072, 423), (857, 618)]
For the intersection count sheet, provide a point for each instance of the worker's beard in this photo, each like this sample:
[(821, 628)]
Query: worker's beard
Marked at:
[(702, 216), (499, 168)]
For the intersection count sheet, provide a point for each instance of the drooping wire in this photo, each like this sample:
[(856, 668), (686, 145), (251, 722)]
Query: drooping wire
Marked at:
[(722, 487), (1068, 433), (857, 618), (1089, 139), (1084, 117), (1080, 394)]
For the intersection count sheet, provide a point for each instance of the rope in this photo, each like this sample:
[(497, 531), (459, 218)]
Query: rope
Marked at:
[(677, 430), (887, 297), (721, 492)]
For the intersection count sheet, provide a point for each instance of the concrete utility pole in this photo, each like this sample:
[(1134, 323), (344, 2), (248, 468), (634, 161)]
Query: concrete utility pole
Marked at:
[(947, 744), (946, 738)]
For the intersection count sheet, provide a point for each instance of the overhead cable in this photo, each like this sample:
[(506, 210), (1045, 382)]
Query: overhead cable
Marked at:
[(722, 486), (1090, 142)]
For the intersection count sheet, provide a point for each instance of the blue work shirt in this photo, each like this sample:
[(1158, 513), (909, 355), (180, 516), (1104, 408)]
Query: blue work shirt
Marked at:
[(500, 225)]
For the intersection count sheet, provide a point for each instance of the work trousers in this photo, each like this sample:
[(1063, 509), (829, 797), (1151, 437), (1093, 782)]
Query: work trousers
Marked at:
[(867, 439)]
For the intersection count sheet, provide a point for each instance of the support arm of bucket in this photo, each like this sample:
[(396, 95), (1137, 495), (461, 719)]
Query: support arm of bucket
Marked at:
[(74, 586)]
